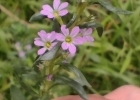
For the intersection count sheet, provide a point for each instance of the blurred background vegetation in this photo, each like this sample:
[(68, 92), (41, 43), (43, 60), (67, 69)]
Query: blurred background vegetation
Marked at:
[(111, 61)]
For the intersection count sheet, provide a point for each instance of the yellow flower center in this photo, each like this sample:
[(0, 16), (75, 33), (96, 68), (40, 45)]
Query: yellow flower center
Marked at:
[(48, 44), (68, 39), (55, 14), (80, 34)]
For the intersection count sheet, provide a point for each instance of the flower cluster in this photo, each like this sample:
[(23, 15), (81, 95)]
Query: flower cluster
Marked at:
[(22, 51), (68, 37)]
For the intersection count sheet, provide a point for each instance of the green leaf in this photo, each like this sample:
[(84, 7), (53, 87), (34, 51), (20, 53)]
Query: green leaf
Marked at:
[(4, 46), (100, 30), (30, 78), (20, 69), (126, 62), (47, 97), (94, 24), (72, 20), (50, 54), (16, 93), (72, 83), (37, 17), (56, 26), (110, 7), (80, 77)]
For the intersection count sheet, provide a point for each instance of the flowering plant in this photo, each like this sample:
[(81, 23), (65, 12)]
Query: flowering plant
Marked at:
[(59, 44)]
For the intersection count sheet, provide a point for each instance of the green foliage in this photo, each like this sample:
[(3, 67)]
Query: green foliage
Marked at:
[(110, 7), (16, 93), (112, 61), (80, 78), (37, 17), (72, 83)]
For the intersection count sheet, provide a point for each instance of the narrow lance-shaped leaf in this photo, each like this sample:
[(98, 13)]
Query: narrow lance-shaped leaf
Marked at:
[(110, 7), (49, 55), (94, 24), (126, 62), (80, 77), (72, 20), (72, 83), (37, 17), (16, 93), (56, 26), (31, 78), (81, 6)]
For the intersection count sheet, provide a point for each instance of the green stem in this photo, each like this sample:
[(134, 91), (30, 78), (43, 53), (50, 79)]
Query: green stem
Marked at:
[(59, 19), (51, 66), (55, 61), (79, 11), (84, 20), (52, 62)]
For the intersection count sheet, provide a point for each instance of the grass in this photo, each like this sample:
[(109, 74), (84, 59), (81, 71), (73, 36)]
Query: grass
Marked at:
[(113, 60)]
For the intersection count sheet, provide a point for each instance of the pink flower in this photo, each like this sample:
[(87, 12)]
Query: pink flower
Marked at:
[(49, 77), (86, 34), (18, 46), (28, 47), (59, 9), (69, 39), (45, 40), (21, 54)]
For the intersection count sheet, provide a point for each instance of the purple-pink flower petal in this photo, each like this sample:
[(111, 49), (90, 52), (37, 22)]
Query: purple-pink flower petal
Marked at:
[(21, 54), (89, 38), (88, 31), (82, 30), (44, 12), (49, 77), (54, 43), (63, 6), (74, 31), (51, 15), (65, 46), (42, 34), (41, 51), (63, 12), (47, 37), (56, 4), (38, 43), (60, 37), (53, 36), (72, 48), (65, 30), (86, 34), (47, 8), (37, 38), (78, 40), (47, 13)]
